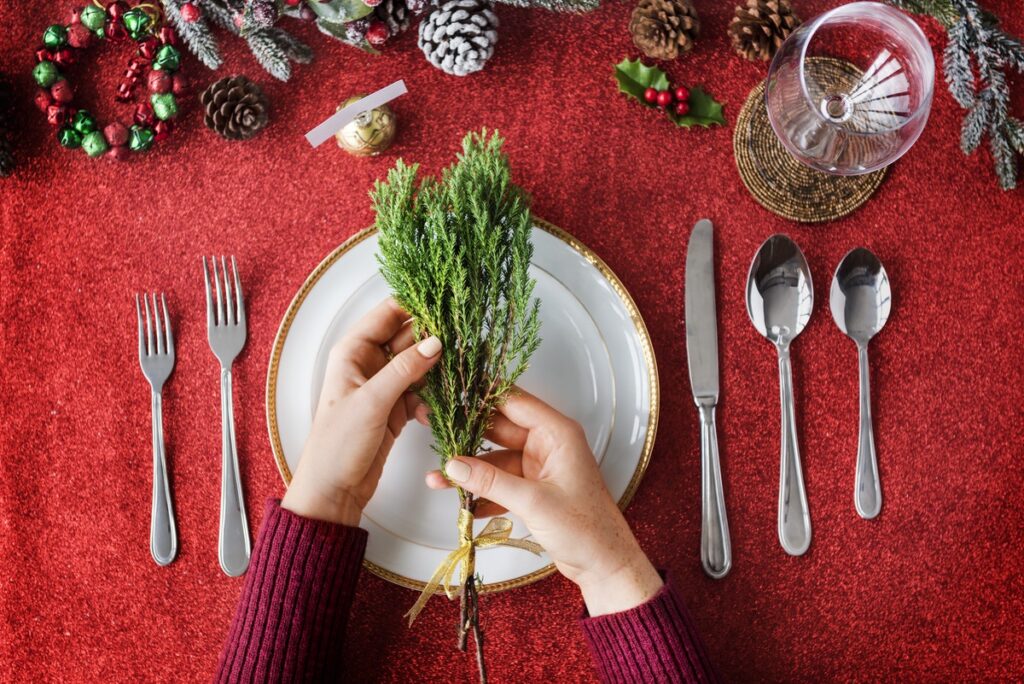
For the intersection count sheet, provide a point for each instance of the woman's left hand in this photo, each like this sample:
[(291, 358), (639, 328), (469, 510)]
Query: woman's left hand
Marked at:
[(365, 403)]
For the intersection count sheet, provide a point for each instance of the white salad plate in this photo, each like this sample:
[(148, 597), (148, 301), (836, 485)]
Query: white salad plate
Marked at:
[(595, 363)]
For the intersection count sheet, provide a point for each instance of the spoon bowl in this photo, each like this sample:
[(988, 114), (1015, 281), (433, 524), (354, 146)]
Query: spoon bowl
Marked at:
[(861, 299), (780, 297)]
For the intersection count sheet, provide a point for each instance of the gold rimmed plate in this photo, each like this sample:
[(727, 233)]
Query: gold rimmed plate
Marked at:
[(595, 363)]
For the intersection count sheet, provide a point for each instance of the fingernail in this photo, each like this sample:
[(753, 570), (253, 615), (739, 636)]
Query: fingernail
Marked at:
[(429, 347), (457, 470)]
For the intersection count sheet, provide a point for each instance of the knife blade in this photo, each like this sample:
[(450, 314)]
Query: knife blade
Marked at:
[(702, 360), (701, 321)]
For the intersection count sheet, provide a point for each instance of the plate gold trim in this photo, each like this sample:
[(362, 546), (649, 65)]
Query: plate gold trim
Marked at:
[(586, 253)]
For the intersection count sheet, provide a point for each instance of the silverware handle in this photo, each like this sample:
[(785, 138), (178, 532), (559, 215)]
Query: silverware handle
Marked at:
[(233, 545), (867, 493), (163, 536), (794, 514), (715, 546)]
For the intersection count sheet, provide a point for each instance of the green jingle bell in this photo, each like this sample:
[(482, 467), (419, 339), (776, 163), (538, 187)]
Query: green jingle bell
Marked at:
[(69, 138), (164, 105), (140, 139), (137, 22), (54, 37), (83, 122), (167, 58), (94, 144), (46, 74), (92, 17)]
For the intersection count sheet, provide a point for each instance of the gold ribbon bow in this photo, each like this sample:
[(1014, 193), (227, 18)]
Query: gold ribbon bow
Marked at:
[(498, 532)]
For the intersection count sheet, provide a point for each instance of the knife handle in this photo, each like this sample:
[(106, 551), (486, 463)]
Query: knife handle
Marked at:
[(794, 514), (715, 546)]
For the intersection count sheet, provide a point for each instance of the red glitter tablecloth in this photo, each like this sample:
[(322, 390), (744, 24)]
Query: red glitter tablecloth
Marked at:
[(931, 590)]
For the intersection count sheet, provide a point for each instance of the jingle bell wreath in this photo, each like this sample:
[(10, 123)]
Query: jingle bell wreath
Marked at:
[(156, 62)]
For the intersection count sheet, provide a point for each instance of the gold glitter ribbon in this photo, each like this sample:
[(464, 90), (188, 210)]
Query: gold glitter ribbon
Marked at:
[(498, 532)]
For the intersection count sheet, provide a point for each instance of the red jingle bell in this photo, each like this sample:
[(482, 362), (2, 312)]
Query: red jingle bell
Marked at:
[(43, 100), (74, 16), (144, 115), (116, 9), (80, 36), (44, 55), (116, 31), (124, 92), (64, 57), (118, 153), (179, 84), (159, 82), (162, 129), (116, 134), (56, 114), (167, 36), (148, 48), (61, 92)]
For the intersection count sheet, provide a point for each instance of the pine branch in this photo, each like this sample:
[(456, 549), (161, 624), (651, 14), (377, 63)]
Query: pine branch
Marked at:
[(222, 12), (196, 35), (274, 47)]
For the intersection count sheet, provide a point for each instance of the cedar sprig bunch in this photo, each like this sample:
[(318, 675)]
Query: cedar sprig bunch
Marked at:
[(456, 253), (975, 62)]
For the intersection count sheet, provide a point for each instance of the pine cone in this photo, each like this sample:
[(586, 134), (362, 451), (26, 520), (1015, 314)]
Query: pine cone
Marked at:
[(6, 128), (458, 36), (663, 29), (760, 28), (235, 108), (396, 14)]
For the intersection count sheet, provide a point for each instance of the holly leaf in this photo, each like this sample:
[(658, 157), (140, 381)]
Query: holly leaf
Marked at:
[(634, 77), (339, 11), (704, 111)]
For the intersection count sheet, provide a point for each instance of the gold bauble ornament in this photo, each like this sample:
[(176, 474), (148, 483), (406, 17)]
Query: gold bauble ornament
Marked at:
[(368, 134)]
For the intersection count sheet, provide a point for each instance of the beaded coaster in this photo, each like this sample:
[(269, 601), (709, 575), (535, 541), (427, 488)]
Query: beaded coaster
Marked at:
[(783, 185)]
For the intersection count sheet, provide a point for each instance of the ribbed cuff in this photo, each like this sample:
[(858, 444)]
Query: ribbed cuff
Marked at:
[(654, 642), (290, 620)]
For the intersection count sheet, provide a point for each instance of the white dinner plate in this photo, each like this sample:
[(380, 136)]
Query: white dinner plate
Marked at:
[(595, 363)]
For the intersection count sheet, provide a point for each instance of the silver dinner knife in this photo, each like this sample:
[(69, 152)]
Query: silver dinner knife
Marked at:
[(702, 359)]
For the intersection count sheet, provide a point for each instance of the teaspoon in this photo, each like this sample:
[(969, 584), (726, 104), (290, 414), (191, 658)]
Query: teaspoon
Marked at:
[(860, 303), (779, 301)]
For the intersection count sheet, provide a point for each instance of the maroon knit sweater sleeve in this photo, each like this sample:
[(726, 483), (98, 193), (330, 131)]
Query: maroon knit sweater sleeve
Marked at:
[(654, 642), (290, 622)]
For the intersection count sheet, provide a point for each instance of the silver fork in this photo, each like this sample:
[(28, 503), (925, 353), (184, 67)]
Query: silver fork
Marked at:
[(156, 356), (225, 320)]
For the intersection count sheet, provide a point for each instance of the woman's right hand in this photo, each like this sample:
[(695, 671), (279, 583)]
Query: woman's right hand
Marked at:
[(548, 476)]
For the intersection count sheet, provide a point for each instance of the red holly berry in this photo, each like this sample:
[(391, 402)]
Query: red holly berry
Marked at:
[(651, 95), (61, 92), (682, 94), (292, 3), (189, 13), (682, 108), (179, 84), (378, 33), (116, 134), (664, 98), (43, 100), (158, 82), (371, 3)]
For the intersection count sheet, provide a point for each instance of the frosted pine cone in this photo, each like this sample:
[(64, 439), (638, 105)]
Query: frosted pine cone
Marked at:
[(458, 36)]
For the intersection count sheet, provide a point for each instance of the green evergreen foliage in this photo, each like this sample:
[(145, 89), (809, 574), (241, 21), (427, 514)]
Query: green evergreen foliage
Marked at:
[(975, 61), (456, 253)]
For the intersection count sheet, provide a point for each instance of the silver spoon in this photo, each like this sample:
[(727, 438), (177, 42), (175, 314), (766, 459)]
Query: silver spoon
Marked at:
[(860, 302), (779, 301)]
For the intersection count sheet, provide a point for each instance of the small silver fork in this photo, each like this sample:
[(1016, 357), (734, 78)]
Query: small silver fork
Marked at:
[(225, 321), (156, 356)]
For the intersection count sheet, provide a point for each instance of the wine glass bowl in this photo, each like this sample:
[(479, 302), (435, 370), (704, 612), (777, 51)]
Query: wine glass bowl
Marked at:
[(849, 92)]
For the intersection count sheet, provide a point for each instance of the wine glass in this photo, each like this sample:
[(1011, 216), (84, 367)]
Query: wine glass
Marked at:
[(849, 92)]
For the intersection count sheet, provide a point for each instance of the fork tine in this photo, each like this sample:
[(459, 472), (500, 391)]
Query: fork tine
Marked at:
[(221, 319), (168, 335), (161, 342), (239, 302), (142, 339), (150, 346), (227, 292), (210, 320)]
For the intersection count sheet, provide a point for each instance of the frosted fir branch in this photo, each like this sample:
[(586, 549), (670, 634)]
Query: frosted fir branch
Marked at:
[(555, 5), (275, 48), (222, 12), (196, 35)]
